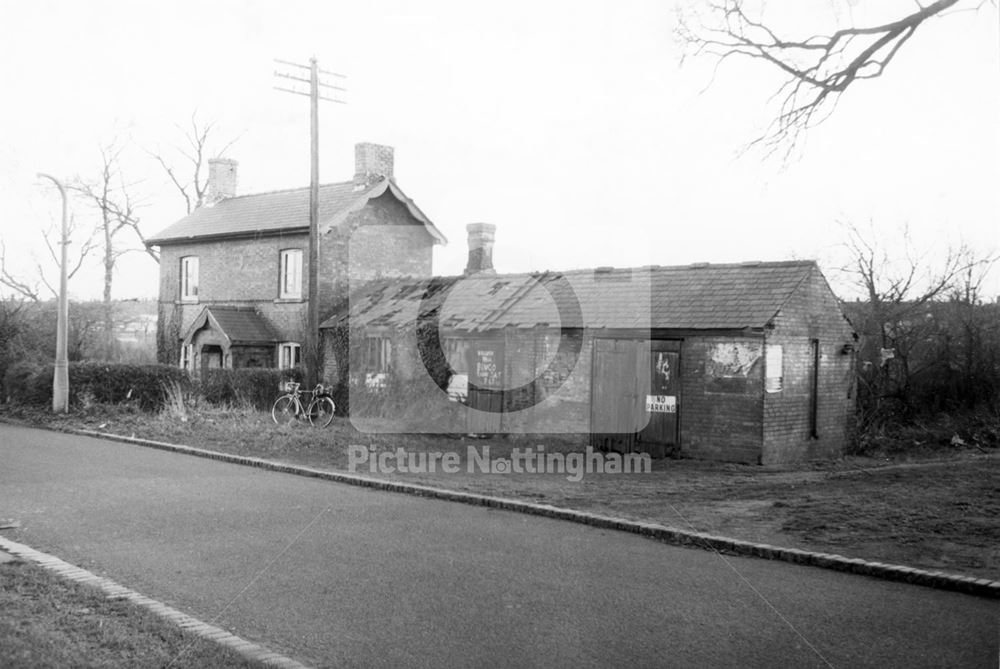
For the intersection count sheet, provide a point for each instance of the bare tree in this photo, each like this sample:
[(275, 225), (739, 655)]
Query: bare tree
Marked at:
[(817, 69), (901, 317), (112, 198), (32, 288), (187, 170)]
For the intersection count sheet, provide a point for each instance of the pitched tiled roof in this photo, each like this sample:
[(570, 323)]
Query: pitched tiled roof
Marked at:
[(283, 210), (240, 325), (697, 297)]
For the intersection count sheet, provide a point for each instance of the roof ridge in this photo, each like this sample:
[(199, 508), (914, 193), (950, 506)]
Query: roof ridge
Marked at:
[(287, 190)]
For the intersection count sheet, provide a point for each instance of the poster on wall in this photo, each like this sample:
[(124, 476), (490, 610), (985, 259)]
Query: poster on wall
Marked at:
[(729, 365)]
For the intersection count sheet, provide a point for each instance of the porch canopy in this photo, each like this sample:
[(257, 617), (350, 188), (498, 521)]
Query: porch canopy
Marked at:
[(242, 336)]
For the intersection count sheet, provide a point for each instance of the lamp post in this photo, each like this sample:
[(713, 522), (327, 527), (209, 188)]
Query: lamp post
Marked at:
[(60, 380)]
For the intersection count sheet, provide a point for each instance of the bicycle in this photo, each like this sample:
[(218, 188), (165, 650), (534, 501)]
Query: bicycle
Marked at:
[(319, 411)]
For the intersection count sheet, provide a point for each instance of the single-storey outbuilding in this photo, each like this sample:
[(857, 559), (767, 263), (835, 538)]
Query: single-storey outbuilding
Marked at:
[(749, 362)]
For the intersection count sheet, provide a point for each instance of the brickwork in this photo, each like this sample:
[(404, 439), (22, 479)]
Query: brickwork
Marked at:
[(381, 240), (811, 313), (235, 273), (372, 161), (245, 272), (223, 179), (720, 417)]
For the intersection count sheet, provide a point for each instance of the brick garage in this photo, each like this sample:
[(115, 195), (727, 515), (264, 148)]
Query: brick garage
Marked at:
[(368, 229), (742, 362)]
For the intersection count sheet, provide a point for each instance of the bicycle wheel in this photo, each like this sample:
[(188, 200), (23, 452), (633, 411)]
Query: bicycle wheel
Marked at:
[(321, 411), (284, 409)]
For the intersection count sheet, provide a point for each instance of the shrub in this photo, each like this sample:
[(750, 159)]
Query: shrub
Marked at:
[(256, 387), (28, 383), (142, 385), (116, 383)]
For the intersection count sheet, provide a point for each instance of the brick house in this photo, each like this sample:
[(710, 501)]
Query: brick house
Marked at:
[(748, 362), (233, 273)]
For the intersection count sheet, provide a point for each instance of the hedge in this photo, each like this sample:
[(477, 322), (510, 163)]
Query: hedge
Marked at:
[(108, 383), (256, 387)]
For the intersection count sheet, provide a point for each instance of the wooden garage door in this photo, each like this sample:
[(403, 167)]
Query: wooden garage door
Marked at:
[(635, 395)]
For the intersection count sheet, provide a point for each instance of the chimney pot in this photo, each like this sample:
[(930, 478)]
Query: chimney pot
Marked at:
[(372, 162), (481, 237), (223, 178)]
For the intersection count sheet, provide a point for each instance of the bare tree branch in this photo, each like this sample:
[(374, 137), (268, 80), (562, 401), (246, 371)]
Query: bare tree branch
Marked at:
[(195, 150), (7, 279), (818, 69)]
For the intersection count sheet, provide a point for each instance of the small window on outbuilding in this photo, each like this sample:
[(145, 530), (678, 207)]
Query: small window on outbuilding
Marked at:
[(773, 361), (814, 388), (378, 355)]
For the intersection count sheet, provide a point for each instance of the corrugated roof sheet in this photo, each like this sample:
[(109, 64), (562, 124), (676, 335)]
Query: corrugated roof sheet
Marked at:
[(240, 325), (697, 297), (282, 210)]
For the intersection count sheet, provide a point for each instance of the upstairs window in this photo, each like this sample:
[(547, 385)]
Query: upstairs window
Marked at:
[(189, 278), (289, 355), (290, 277)]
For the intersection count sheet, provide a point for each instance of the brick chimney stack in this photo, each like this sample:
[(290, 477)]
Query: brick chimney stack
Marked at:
[(481, 237), (372, 161), (222, 179)]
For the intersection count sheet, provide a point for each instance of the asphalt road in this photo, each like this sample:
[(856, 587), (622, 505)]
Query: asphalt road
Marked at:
[(335, 575)]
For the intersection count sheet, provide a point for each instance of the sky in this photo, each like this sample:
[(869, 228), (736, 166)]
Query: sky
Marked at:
[(572, 126)]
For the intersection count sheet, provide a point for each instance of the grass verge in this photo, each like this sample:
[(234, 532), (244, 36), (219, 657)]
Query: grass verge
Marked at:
[(933, 508), (47, 621)]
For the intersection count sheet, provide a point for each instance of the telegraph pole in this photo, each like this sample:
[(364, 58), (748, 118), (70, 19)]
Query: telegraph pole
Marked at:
[(60, 380), (311, 354)]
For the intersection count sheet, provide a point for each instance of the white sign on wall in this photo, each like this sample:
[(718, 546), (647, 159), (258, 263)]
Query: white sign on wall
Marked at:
[(661, 403)]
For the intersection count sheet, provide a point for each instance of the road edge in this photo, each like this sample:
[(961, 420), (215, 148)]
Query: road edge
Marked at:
[(980, 587), (114, 590)]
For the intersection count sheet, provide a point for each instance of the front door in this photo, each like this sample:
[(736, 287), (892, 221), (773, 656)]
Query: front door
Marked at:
[(211, 357)]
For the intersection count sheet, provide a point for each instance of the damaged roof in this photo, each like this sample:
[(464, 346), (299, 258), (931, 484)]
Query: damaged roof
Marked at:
[(696, 297), (284, 211)]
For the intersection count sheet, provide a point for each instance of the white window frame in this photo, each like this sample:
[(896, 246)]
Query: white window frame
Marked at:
[(378, 354), (290, 275), (189, 279), (187, 357), (289, 355)]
